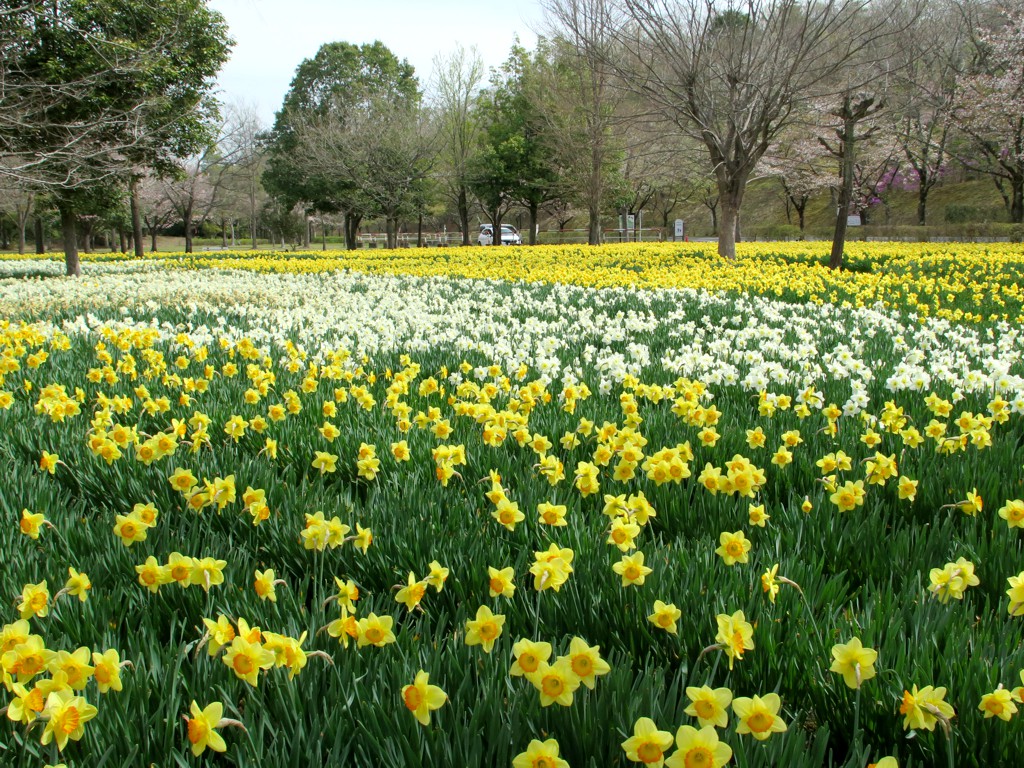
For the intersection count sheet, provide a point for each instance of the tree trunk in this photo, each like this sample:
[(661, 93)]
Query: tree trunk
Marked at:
[(533, 222), (306, 236), (845, 194), (87, 226), (323, 242), (800, 209), (419, 231), (391, 231), (69, 230), (40, 235), (187, 218), (223, 233), (714, 219), (1017, 199), (351, 230), (137, 220), (496, 227), (122, 240), (152, 235), (727, 230), (22, 225), (594, 225), (464, 215)]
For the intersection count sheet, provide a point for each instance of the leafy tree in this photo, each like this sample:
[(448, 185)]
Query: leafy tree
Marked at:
[(515, 164), (95, 89), (336, 89)]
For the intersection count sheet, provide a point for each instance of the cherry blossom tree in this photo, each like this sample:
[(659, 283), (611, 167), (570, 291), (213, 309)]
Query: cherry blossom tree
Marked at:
[(990, 105)]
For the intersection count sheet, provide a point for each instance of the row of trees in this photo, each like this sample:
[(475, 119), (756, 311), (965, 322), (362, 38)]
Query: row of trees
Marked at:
[(624, 105)]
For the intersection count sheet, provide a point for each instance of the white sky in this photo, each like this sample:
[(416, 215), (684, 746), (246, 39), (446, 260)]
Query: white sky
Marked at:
[(273, 36)]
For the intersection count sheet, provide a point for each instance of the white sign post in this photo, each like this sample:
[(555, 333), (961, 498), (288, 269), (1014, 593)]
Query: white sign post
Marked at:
[(679, 230)]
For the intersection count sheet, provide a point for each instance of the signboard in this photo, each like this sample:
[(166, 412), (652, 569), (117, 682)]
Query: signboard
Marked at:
[(630, 221), (679, 229), (853, 221)]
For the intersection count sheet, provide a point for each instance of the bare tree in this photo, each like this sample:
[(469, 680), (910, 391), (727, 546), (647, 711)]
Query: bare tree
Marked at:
[(582, 104), (18, 200), (384, 151), (732, 74), (924, 94), (457, 80), (239, 170)]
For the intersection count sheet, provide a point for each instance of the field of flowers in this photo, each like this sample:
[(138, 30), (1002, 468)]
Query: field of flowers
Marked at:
[(546, 507)]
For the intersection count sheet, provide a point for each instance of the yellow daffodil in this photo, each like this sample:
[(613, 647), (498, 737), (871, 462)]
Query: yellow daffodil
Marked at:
[(201, 728), (375, 630), (665, 616), (529, 656), (699, 749), (632, 569), (647, 745), (66, 716), (586, 662), (540, 755), (556, 683), (759, 716), (421, 699), (734, 547), (35, 600), (854, 662), (709, 706), (484, 629)]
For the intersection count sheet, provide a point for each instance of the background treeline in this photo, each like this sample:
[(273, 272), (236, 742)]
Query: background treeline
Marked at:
[(645, 112)]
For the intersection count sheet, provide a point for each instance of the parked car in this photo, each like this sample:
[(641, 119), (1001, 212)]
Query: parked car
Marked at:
[(509, 235)]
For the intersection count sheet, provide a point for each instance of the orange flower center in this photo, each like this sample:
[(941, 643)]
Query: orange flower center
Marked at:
[(705, 709), (582, 665), (552, 686), (649, 752), (489, 630), (760, 721), (102, 674), (179, 572), (631, 572), (528, 662), (497, 586), (374, 635), (34, 700), (69, 721), (994, 706), (734, 549), (197, 730), (38, 601), (908, 703), (412, 697), (128, 530), (698, 757), (243, 664)]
